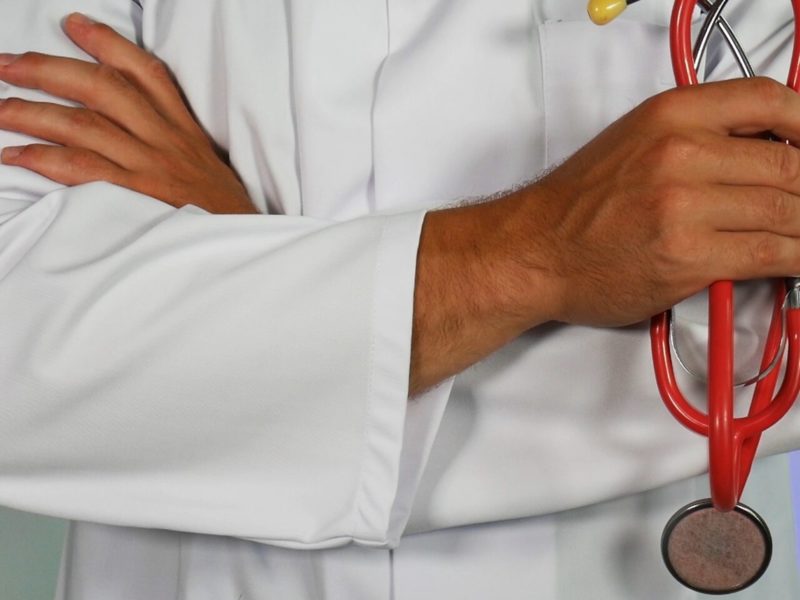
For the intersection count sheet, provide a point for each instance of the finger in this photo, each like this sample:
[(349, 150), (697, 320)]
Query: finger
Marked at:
[(69, 166), (742, 256), (138, 66), (750, 209), (726, 160), (753, 161), (738, 106), (98, 87), (75, 127)]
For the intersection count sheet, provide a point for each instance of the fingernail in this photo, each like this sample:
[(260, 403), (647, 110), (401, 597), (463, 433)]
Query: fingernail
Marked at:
[(11, 153), (7, 59), (81, 19)]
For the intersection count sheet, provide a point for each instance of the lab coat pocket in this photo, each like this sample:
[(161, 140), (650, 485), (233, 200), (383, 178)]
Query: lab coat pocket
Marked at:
[(593, 75)]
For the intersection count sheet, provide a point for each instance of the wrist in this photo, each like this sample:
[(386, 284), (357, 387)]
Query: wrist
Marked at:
[(478, 285), (533, 254)]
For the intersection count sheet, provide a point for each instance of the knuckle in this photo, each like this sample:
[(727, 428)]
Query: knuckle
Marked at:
[(156, 69), (669, 202), (675, 243), (768, 91), (81, 118), (31, 153), (80, 161), (12, 106), (675, 249), (663, 106), (670, 152), (163, 188), (186, 149), (110, 76), (765, 252), (674, 239), (786, 162), (31, 59), (677, 147), (179, 169), (780, 210)]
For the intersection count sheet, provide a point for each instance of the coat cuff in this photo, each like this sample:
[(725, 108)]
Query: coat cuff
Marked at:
[(399, 431)]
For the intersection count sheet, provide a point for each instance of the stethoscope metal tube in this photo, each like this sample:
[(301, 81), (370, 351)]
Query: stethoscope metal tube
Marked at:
[(713, 19)]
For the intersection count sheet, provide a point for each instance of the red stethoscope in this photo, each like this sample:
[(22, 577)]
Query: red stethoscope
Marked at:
[(719, 545)]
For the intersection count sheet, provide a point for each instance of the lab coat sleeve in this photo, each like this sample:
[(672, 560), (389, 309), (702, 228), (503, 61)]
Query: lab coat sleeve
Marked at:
[(236, 375)]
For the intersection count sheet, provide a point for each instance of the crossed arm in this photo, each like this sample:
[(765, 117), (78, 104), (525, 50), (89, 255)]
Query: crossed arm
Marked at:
[(668, 199)]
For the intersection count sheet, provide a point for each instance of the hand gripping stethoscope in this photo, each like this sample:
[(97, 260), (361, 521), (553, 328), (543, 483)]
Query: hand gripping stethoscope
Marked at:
[(719, 545)]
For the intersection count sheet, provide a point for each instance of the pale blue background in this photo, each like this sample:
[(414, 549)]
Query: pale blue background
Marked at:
[(30, 551)]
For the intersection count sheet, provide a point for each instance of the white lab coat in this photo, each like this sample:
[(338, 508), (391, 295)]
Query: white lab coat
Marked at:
[(188, 382)]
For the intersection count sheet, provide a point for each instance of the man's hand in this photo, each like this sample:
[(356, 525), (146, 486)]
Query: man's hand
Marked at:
[(132, 128), (664, 202), (671, 198)]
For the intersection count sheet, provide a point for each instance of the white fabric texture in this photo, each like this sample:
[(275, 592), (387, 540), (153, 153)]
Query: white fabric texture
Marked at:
[(148, 382), (246, 376)]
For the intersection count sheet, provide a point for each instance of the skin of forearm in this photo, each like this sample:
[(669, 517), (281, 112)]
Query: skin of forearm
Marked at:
[(476, 289), (668, 199)]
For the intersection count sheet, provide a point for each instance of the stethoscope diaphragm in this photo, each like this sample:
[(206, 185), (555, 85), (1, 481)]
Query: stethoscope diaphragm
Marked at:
[(716, 552)]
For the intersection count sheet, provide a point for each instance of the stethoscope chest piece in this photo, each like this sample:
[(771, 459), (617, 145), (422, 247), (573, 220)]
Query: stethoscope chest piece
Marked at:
[(715, 552)]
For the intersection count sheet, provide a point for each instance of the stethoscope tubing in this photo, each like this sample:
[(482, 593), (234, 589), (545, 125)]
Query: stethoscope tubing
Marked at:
[(732, 441)]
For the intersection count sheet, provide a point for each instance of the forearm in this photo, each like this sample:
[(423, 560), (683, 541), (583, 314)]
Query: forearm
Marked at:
[(655, 208), (478, 285)]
